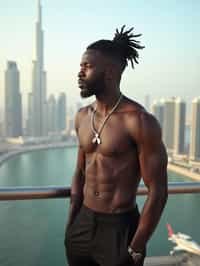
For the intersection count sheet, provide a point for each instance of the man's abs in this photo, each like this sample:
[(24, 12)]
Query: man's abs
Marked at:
[(109, 198), (111, 181)]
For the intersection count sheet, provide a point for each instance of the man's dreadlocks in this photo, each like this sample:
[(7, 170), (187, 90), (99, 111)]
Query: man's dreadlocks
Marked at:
[(123, 47)]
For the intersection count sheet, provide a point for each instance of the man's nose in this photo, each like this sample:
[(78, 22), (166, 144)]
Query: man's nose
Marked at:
[(80, 73)]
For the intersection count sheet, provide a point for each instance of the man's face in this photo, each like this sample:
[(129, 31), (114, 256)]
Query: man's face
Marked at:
[(92, 73)]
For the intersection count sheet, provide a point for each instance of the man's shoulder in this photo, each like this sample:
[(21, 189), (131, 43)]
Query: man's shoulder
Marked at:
[(132, 110), (139, 119), (83, 112), (131, 106)]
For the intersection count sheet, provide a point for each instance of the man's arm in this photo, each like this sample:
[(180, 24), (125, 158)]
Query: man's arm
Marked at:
[(78, 180), (153, 167)]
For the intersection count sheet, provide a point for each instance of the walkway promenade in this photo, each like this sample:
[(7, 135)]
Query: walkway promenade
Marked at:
[(29, 148), (183, 171)]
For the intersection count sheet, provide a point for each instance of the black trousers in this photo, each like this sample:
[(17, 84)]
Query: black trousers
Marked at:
[(101, 239)]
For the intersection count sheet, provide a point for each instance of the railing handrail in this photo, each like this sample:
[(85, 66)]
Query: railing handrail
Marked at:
[(47, 192)]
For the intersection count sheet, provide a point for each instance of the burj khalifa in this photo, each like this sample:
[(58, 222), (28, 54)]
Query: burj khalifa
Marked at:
[(37, 122)]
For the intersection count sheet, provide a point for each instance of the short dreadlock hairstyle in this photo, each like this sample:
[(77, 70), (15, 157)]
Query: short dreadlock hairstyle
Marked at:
[(123, 47)]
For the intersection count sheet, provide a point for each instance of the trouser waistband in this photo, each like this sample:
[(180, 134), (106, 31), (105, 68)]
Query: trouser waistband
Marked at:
[(112, 217)]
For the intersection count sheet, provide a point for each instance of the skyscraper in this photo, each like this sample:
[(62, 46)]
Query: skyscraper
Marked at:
[(52, 114), (39, 105), (195, 131), (61, 112), (169, 123), (29, 122), (147, 102), (13, 105), (179, 130), (158, 111)]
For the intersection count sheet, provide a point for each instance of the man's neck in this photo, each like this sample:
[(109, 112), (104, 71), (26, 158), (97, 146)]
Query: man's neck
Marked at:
[(105, 103)]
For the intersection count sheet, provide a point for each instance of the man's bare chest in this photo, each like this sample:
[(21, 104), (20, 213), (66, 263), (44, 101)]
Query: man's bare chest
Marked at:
[(114, 138)]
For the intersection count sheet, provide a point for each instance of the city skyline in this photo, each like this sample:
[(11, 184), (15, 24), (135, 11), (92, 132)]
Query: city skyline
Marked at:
[(44, 116), (167, 29)]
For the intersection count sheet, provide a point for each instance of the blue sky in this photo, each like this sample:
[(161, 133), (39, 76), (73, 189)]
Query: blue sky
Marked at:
[(169, 65)]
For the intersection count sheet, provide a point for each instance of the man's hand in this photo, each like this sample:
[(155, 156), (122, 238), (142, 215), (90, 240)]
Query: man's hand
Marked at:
[(137, 257), (75, 205), (138, 262)]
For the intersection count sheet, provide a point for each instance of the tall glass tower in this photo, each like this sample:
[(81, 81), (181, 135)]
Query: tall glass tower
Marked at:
[(61, 112), (38, 112), (195, 131), (13, 105)]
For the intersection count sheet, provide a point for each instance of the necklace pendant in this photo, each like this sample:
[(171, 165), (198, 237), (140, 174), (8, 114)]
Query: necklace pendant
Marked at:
[(96, 139)]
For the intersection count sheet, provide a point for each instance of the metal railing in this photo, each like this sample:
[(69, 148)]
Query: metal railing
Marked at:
[(48, 192)]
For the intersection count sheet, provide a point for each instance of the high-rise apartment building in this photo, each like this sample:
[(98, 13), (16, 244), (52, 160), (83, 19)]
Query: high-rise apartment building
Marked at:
[(13, 105), (195, 131), (29, 122), (179, 127), (158, 111), (52, 117), (169, 123), (61, 112)]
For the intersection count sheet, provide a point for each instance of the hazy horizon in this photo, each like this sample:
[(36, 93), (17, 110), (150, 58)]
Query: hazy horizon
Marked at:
[(168, 66)]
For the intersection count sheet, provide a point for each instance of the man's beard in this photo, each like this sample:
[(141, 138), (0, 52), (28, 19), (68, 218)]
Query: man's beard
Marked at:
[(92, 88), (87, 92)]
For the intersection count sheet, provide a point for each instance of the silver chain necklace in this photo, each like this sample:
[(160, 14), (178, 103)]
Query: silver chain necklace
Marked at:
[(97, 133)]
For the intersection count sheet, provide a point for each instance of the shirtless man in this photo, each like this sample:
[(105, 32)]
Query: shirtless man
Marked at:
[(119, 143)]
